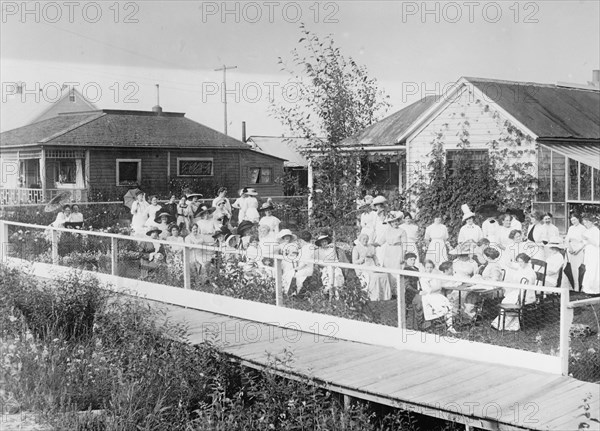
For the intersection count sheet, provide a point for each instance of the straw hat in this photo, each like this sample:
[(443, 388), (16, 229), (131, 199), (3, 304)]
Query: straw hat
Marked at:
[(393, 215), (191, 195), (378, 200), (467, 213), (463, 249), (556, 242), (158, 218), (286, 232)]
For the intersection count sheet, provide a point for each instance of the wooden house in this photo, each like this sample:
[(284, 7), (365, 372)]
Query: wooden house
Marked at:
[(100, 154), (559, 126)]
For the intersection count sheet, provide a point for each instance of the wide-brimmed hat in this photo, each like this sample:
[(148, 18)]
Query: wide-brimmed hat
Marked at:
[(232, 240), (153, 229), (321, 238), (364, 202), (224, 230), (393, 215), (203, 210), (463, 249), (266, 206), (286, 232), (248, 191), (378, 200), (191, 195), (489, 210), (159, 216), (467, 213), (244, 227), (556, 242)]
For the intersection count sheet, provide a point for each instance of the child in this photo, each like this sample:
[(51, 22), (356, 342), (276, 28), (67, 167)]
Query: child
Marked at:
[(411, 284)]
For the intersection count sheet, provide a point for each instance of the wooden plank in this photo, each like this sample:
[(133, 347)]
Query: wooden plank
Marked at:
[(350, 367)]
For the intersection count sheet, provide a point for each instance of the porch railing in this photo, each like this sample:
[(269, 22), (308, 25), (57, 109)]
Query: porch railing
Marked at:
[(23, 196)]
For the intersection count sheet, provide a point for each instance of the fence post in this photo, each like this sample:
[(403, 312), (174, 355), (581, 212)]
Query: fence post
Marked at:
[(114, 252), (278, 282), (3, 241), (54, 246), (187, 279), (401, 299), (566, 318)]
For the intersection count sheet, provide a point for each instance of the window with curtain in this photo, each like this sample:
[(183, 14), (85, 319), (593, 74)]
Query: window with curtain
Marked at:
[(65, 171), (260, 175)]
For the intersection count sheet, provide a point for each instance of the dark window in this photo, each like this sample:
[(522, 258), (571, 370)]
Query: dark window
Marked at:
[(195, 167), (596, 185), (558, 177), (260, 175), (573, 180), (128, 172), (475, 159), (585, 182)]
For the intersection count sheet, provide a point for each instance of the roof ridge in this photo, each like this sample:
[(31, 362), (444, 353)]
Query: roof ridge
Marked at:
[(472, 80), (72, 127)]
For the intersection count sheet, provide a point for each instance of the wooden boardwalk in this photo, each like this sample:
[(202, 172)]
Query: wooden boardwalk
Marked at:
[(474, 393)]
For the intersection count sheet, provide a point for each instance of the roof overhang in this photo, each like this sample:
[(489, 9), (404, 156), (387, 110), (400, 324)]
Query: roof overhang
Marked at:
[(587, 153)]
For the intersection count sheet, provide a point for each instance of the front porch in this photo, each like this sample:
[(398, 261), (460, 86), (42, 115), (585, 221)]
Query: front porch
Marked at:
[(37, 175)]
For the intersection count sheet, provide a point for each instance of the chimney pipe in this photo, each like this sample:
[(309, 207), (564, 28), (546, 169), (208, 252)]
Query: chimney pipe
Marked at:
[(244, 132), (596, 77), (157, 108)]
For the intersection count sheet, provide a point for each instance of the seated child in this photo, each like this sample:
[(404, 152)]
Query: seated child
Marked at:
[(411, 284)]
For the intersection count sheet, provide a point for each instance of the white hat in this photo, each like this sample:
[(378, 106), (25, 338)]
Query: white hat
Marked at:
[(467, 213), (248, 191), (556, 242), (393, 215), (286, 232), (378, 200)]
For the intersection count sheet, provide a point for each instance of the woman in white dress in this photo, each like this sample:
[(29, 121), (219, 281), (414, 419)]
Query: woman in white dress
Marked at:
[(196, 255), (268, 218), (574, 242), (395, 242), (326, 252), (469, 232), (151, 211), (376, 284), (248, 206), (222, 196), (504, 231), (139, 211), (367, 217), (412, 235), (591, 238), (434, 303), (378, 238), (524, 274), (436, 236)]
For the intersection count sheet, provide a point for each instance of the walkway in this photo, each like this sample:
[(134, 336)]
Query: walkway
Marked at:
[(477, 394)]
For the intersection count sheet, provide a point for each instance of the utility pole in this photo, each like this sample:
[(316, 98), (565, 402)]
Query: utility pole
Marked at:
[(224, 69)]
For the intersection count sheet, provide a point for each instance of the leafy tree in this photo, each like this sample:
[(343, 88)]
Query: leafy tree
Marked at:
[(337, 99)]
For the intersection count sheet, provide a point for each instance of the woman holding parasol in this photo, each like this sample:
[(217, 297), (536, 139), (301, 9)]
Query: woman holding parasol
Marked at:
[(139, 213)]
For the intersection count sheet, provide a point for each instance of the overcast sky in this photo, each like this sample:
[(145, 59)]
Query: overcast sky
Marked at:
[(117, 52)]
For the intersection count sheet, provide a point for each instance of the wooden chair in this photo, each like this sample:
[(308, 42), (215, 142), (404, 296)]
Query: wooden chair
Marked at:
[(518, 309), (481, 301)]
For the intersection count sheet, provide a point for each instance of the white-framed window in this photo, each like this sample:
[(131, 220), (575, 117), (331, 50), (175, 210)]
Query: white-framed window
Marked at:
[(195, 167), (260, 175), (129, 172)]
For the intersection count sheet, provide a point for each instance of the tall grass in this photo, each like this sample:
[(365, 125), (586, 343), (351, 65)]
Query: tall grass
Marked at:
[(70, 346)]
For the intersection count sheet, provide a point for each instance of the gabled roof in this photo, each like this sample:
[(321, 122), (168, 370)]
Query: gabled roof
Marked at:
[(286, 148), (118, 128), (71, 101), (388, 130), (549, 111)]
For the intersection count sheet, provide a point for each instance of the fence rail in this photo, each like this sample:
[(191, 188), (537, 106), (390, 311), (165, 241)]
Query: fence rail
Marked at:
[(507, 355)]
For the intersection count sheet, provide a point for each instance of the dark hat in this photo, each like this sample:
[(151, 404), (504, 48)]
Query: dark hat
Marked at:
[(244, 227), (409, 255), (321, 238), (266, 206), (139, 192), (172, 225), (163, 213), (224, 230), (153, 229)]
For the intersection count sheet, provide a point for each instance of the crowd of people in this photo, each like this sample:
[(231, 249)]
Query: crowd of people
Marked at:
[(497, 250)]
